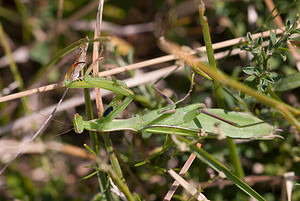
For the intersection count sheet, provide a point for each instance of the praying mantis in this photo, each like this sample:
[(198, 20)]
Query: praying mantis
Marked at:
[(190, 120)]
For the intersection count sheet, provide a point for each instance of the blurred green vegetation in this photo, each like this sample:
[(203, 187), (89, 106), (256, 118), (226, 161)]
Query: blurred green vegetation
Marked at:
[(57, 176)]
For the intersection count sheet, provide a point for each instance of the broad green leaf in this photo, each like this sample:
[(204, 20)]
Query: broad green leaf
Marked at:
[(290, 82), (250, 70)]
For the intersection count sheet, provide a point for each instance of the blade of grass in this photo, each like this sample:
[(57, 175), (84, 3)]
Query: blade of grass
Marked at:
[(210, 54), (116, 171), (26, 26), (219, 167), (14, 69)]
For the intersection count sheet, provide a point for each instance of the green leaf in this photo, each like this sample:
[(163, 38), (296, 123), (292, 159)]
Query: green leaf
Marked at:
[(220, 168), (250, 70), (89, 149), (90, 175), (287, 25), (246, 48), (284, 57), (272, 38), (140, 163), (249, 37), (296, 31), (290, 82), (268, 78), (256, 51), (259, 41)]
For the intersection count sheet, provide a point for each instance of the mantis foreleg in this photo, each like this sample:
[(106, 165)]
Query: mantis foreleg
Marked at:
[(114, 108)]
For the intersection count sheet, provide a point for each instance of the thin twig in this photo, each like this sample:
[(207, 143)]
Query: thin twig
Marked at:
[(97, 34), (182, 172), (9, 147)]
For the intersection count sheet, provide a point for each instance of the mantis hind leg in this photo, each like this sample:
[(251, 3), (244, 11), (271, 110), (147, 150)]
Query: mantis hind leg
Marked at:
[(204, 111)]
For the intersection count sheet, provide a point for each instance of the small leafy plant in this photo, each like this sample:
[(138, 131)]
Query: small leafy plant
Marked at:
[(260, 75)]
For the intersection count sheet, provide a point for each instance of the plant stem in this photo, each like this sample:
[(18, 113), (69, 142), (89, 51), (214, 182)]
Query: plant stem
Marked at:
[(102, 180), (90, 116), (210, 55), (116, 169), (13, 68), (218, 88), (120, 183), (285, 109)]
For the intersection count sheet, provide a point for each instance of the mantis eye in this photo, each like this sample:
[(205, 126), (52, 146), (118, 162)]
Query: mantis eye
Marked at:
[(107, 111)]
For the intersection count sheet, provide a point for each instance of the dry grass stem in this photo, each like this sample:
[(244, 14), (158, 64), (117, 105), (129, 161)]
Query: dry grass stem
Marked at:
[(97, 34), (182, 172), (187, 186), (147, 63), (8, 147)]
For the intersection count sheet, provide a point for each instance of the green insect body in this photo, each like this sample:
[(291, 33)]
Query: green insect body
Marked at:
[(186, 121), (181, 123)]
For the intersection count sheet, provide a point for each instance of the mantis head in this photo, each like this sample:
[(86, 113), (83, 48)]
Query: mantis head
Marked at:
[(78, 123)]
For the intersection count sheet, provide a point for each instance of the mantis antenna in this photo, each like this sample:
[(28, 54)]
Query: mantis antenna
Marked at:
[(72, 75)]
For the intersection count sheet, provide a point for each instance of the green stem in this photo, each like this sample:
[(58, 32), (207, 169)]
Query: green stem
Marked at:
[(210, 55), (218, 88), (120, 183), (112, 157), (13, 68), (235, 158), (90, 116), (102, 180)]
